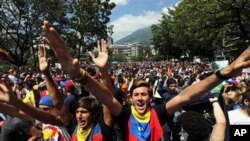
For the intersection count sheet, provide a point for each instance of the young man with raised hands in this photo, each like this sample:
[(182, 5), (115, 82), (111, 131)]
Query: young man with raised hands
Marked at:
[(93, 120)]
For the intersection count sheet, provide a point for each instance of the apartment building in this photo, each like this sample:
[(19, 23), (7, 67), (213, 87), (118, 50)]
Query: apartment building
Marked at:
[(127, 50)]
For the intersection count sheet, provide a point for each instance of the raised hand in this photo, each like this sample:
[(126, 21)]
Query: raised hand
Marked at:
[(6, 93), (72, 67), (44, 62), (213, 99), (57, 44), (235, 68), (102, 58)]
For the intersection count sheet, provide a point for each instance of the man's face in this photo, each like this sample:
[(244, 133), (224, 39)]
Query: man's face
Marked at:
[(247, 103), (140, 99), (83, 117), (173, 87)]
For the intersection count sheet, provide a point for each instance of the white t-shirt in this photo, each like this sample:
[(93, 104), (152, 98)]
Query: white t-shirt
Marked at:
[(236, 117)]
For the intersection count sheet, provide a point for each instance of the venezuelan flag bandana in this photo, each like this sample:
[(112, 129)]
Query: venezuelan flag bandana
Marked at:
[(92, 133), (140, 124), (82, 134)]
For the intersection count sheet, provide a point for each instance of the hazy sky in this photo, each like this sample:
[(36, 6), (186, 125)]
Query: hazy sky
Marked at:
[(130, 15)]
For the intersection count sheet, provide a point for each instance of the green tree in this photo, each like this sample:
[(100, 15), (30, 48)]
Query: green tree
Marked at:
[(80, 22), (162, 38), (88, 24), (20, 27), (205, 26)]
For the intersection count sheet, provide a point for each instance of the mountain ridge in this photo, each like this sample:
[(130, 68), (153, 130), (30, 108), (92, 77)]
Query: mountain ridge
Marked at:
[(142, 35)]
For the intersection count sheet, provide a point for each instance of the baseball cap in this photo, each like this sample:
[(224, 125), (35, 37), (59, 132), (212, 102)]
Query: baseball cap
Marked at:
[(69, 84), (232, 81), (62, 83), (46, 101)]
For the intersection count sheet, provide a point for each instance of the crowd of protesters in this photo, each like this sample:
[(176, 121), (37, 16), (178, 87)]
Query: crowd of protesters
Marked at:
[(146, 101)]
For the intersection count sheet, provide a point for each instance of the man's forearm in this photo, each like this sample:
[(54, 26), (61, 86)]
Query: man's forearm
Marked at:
[(218, 113), (102, 93), (38, 114), (192, 92), (53, 91), (13, 111)]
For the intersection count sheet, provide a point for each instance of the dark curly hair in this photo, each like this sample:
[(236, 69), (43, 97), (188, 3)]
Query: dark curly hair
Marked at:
[(195, 125)]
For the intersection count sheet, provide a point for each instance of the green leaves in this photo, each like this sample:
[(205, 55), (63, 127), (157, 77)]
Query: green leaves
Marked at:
[(203, 27), (79, 22)]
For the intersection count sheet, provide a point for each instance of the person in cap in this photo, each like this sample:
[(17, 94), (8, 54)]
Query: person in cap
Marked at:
[(48, 114), (71, 96), (53, 114), (241, 116), (17, 125), (232, 99), (52, 132), (231, 85)]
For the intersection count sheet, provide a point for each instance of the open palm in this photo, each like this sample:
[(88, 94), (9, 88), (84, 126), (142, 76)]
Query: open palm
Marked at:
[(57, 44), (43, 60), (102, 58), (6, 94)]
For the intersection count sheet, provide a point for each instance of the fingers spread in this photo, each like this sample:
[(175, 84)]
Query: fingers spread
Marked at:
[(3, 87), (40, 52), (99, 46), (45, 39), (104, 47), (91, 55), (56, 40), (44, 52)]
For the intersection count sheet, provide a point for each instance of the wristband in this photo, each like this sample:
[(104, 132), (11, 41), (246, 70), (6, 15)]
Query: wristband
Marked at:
[(220, 76), (214, 101), (83, 77)]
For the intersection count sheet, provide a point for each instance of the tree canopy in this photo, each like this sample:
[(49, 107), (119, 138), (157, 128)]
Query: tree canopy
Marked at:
[(202, 27), (80, 22)]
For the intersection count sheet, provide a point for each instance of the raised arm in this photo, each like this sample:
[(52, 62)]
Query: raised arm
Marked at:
[(54, 93), (10, 110), (101, 61), (201, 88), (14, 112), (218, 132), (72, 67), (7, 95)]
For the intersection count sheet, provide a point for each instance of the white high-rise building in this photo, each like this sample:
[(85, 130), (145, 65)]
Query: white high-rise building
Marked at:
[(127, 50)]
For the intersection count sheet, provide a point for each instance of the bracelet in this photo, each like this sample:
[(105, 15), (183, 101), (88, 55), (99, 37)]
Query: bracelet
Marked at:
[(220, 76), (214, 101), (83, 77)]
